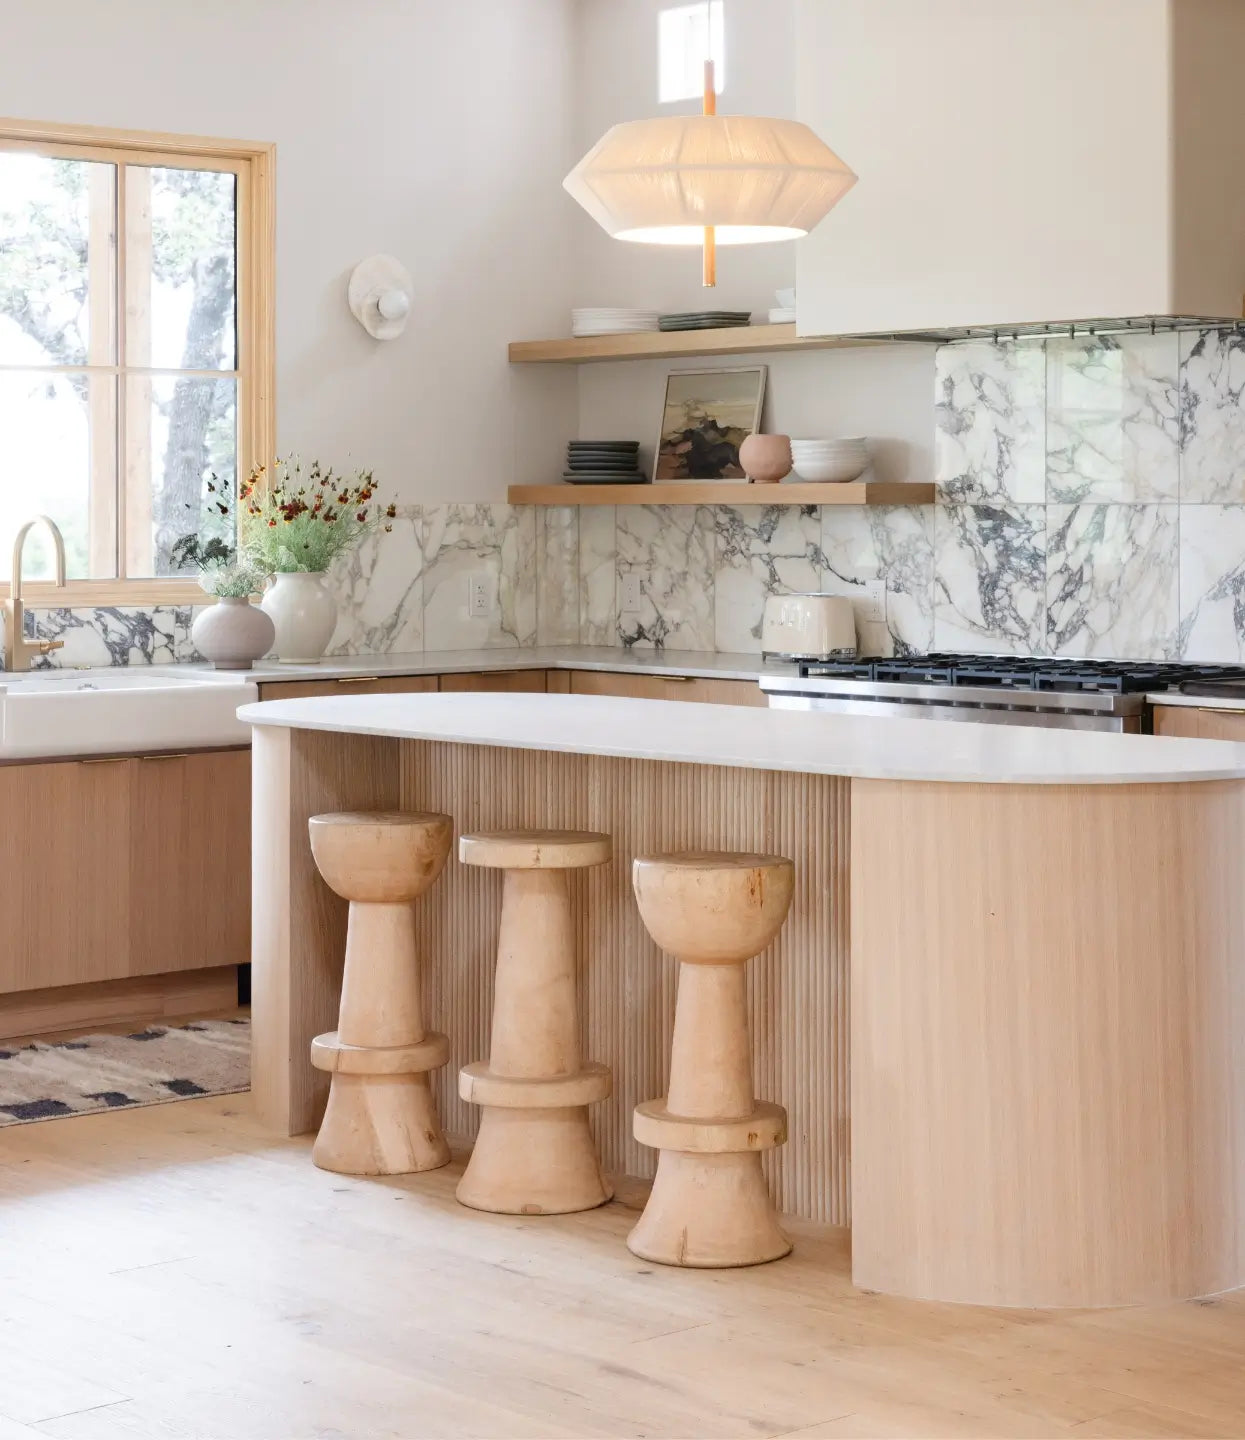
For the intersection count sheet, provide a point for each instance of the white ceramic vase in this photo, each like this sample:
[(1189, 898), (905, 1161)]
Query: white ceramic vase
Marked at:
[(232, 634), (304, 613)]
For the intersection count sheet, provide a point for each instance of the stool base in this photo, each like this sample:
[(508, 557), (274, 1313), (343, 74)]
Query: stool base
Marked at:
[(380, 1125), (709, 1212), (534, 1162)]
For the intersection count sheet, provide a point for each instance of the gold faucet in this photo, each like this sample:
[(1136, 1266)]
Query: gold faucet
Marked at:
[(18, 651)]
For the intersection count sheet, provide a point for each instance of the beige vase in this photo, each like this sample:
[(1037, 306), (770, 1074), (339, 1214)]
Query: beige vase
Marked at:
[(232, 634)]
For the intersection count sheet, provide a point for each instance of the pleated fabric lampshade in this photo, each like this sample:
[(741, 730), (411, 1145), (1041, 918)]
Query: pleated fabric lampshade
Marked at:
[(663, 181)]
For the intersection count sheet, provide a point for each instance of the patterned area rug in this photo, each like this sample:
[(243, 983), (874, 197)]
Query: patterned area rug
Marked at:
[(48, 1080)]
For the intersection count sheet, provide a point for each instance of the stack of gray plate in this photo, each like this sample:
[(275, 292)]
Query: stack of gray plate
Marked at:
[(603, 462), (705, 320)]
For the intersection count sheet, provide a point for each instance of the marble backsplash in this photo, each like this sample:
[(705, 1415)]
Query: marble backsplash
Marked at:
[(1090, 502)]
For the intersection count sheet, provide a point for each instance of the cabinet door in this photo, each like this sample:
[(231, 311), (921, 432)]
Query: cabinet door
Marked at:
[(1197, 724), (348, 685), (189, 861), (502, 682), (64, 881), (667, 687)]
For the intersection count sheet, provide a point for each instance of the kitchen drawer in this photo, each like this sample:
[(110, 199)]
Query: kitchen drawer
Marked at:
[(501, 682), (1195, 723), (667, 687), (347, 685)]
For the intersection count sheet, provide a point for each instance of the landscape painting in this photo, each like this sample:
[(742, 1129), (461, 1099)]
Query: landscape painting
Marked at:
[(708, 414)]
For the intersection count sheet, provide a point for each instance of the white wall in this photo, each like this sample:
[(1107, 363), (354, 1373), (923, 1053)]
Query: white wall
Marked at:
[(437, 131), (885, 393)]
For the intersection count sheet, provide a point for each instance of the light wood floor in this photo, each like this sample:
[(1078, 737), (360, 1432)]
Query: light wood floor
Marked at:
[(173, 1272)]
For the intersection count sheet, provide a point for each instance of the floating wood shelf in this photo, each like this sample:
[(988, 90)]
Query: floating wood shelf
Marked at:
[(669, 344), (858, 492)]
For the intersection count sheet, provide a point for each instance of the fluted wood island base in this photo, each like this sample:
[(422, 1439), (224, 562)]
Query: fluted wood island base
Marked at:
[(1047, 1012)]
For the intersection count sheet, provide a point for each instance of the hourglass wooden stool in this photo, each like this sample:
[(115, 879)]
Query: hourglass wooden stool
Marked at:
[(381, 1118), (534, 1154), (709, 1206)]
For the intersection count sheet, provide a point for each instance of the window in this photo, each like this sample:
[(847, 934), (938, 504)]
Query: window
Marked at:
[(687, 36), (135, 346)]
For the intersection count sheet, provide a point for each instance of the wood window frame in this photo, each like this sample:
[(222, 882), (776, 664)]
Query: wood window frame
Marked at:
[(254, 163)]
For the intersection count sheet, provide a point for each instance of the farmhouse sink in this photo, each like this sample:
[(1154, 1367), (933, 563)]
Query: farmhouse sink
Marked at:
[(103, 712)]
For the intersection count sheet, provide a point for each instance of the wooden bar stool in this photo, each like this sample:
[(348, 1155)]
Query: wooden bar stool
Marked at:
[(709, 1205), (534, 1154), (381, 1118)]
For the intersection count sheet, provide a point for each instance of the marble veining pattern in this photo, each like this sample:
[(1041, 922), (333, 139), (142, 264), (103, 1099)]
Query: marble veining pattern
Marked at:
[(761, 550), (380, 592), (498, 541), (557, 575), (1212, 583), (1112, 576), (598, 576), (114, 635), (671, 548), (1112, 419), (990, 578), (893, 544), (989, 442), (1212, 417)]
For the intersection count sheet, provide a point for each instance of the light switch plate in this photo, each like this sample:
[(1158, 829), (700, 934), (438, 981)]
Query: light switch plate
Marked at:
[(872, 605), (632, 595), (479, 596)]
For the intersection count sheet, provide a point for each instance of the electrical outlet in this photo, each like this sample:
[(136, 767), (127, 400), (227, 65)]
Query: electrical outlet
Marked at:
[(872, 605), (632, 596), (479, 596)]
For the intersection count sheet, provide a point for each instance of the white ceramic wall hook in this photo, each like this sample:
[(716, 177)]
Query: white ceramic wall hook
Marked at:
[(380, 294)]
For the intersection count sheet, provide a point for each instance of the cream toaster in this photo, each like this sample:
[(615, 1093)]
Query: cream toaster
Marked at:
[(808, 627)]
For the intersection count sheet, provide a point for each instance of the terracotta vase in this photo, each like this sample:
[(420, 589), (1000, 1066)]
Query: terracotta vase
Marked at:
[(766, 459)]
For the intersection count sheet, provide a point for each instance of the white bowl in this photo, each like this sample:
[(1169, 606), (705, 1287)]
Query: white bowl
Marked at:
[(837, 470), (786, 298)]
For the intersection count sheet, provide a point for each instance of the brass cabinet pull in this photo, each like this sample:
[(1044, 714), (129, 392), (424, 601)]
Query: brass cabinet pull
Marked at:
[(363, 679), (172, 755), (108, 760), (677, 679), (1213, 710)]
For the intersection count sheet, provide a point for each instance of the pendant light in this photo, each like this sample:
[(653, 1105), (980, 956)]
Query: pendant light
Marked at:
[(709, 180)]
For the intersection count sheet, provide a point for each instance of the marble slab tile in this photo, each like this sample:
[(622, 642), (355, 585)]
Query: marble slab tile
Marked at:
[(1113, 577), (1212, 583), (672, 550), (990, 579), (761, 550), (893, 544), (557, 575), (598, 576), (1212, 417), (1113, 419), (989, 416), (114, 635), (497, 541), (379, 589)]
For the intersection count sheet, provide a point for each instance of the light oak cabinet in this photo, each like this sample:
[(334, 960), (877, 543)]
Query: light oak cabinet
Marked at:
[(498, 682), (666, 687), (125, 867), (348, 685), (1194, 723)]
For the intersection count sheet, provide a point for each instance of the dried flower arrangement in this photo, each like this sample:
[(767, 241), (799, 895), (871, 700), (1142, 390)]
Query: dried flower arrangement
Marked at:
[(225, 573), (294, 522)]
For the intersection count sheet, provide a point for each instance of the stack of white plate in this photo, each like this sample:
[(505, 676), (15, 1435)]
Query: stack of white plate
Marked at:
[(836, 460), (604, 320)]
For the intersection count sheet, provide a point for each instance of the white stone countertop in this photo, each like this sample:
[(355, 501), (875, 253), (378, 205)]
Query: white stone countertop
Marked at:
[(700, 663), (1199, 702), (762, 739)]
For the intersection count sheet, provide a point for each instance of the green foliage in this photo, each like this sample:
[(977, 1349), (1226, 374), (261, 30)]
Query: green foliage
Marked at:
[(300, 521)]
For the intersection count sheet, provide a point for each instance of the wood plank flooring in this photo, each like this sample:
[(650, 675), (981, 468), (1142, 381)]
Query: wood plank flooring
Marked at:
[(174, 1272)]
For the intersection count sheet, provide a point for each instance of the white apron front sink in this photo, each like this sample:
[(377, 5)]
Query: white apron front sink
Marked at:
[(104, 712)]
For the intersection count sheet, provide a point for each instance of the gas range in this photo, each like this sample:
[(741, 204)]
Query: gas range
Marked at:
[(990, 689)]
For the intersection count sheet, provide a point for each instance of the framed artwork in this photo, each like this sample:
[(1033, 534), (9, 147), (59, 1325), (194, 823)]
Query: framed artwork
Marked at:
[(707, 415)]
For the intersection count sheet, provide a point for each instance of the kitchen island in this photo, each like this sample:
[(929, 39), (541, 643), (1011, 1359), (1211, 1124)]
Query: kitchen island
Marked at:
[(1029, 944)]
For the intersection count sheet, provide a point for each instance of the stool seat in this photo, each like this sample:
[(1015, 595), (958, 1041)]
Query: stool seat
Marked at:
[(329, 1052), (535, 849), (383, 858), (657, 1126), (713, 908)]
